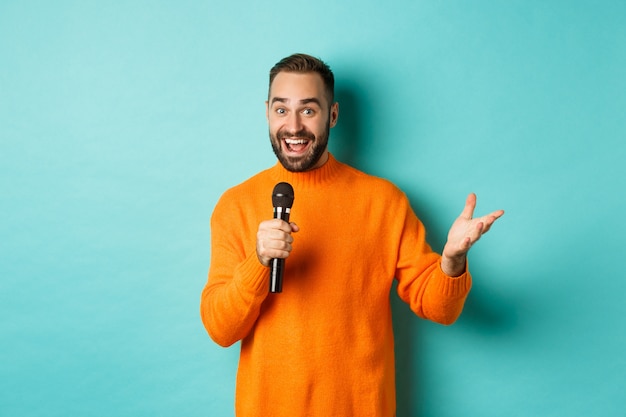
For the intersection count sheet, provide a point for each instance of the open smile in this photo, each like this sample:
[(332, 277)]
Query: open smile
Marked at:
[(296, 145)]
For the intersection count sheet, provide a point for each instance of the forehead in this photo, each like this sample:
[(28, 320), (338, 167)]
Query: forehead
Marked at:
[(297, 86)]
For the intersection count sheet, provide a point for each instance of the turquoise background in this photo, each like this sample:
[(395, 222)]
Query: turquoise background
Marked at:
[(121, 123)]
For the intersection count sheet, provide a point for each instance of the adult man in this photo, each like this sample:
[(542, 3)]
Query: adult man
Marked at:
[(324, 346)]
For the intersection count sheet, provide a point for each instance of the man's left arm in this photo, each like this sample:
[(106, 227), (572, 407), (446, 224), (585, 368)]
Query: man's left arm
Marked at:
[(436, 286)]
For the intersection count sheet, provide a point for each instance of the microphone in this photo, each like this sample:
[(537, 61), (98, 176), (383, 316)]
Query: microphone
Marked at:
[(282, 200)]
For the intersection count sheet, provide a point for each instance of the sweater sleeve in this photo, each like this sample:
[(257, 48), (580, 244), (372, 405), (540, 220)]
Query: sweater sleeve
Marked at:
[(422, 284), (237, 284)]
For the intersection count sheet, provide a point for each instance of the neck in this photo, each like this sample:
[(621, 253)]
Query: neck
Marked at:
[(320, 162), (324, 171)]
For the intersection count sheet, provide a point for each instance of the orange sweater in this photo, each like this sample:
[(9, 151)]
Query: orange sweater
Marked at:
[(324, 346)]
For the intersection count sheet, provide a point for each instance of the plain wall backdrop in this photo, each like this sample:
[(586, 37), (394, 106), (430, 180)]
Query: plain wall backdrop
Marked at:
[(122, 122)]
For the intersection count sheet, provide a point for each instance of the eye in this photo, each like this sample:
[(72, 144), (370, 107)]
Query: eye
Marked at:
[(308, 112), (280, 111)]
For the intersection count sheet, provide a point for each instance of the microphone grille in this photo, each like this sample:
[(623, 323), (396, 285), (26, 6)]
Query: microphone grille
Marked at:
[(282, 196)]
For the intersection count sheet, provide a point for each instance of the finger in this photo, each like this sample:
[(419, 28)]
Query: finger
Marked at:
[(278, 245), (486, 228), (490, 219), (273, 249), (276, 224), (476, 233), (470, 205), (274, 238), (282, 225), (496, 214), (278, 235)]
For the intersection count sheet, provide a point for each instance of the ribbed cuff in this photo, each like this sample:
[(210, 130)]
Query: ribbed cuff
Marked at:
[(251, 276), (455, 286)]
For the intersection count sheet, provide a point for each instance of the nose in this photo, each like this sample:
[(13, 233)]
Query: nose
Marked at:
[(294, 122)]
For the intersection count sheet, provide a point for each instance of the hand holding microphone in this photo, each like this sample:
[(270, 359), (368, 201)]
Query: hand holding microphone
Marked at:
[(274, 236)]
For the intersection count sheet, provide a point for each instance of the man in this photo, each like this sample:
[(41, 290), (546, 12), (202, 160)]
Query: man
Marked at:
[(324, 346)]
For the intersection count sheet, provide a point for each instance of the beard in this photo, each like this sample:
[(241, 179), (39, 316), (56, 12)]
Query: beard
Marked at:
[(317, 146)]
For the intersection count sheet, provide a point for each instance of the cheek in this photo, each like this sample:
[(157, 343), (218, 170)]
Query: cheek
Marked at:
[(273, 124), (318, 126)]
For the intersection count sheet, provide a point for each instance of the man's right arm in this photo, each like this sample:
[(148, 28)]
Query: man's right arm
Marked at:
[(231, 301), (237, 283), (239, 277)]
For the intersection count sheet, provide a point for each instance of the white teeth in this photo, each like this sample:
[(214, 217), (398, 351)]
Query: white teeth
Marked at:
[(296, 141)]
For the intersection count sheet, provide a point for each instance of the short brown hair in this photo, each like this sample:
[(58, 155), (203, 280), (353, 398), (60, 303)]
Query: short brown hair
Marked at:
[(303, 63)]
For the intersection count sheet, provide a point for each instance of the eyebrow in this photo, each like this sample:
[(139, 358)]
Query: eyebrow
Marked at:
[(303, 101)]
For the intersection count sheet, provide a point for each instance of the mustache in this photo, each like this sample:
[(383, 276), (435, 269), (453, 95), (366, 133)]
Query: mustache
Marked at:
[(302, 133)]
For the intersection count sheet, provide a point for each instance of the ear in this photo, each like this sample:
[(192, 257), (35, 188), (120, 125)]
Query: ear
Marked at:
[(334, 114), (267, 110)]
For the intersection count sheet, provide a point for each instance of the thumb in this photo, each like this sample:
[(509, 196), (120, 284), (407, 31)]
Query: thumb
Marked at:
[(470, 205)]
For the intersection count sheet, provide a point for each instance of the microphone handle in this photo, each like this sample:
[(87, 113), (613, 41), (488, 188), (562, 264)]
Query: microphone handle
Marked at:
[(276, 275), (277, 265)]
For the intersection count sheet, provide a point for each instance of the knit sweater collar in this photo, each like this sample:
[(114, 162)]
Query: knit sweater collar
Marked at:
[(318, 176)]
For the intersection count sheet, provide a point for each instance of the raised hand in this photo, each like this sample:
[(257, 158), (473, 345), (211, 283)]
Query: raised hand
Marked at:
[(465, 231)]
